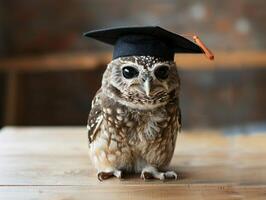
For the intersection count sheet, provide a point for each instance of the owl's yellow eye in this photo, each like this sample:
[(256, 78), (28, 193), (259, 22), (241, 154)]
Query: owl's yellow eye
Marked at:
[(130, 72), (162, 72)]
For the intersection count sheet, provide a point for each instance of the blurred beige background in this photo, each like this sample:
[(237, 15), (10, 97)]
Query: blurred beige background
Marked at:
[(49, 72)]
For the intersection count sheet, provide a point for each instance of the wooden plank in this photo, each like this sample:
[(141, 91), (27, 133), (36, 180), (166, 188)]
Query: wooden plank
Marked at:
[(89, 61), (52, 163), (223, 60), (55, 62), (149, 192)]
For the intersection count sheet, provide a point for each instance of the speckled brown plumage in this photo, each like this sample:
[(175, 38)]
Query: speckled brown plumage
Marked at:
[(134, 131)]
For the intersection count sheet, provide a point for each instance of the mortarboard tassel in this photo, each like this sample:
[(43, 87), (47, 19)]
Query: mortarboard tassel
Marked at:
[(207, 52), (198, 41)]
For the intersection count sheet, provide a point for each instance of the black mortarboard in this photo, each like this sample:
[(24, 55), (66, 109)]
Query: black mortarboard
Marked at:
[(144, 41)]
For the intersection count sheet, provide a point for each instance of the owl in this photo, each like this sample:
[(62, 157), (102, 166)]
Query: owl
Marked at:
[(135, 118)]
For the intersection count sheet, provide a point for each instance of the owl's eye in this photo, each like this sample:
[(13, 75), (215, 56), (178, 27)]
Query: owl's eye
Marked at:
[(130, 72), (162, 72)]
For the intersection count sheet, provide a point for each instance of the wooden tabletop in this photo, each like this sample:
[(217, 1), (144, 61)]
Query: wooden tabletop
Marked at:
[(53, 164)]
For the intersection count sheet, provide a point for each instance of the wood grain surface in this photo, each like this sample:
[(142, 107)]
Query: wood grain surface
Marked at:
[(53, 163)]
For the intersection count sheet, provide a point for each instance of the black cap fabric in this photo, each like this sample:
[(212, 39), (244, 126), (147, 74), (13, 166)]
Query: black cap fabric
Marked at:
[(144, 41)]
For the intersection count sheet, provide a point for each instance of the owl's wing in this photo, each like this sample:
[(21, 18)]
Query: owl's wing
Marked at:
[(175, 101), (95, 117), (179, 118)]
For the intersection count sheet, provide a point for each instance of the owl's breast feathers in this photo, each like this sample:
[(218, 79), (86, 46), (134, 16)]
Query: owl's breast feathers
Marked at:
[(132, 124)]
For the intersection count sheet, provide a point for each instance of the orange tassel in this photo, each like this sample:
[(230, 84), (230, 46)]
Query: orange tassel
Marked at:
[(198, 41), (207, 52)]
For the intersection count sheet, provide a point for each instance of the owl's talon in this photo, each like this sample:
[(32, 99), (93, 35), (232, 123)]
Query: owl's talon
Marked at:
[(170, 175), (104, 175), (118, 174), (160, 176), (151, 172), (146, 175)]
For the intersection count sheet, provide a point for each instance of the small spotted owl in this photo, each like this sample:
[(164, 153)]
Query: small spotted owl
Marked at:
[(135, 115), (135, 118)]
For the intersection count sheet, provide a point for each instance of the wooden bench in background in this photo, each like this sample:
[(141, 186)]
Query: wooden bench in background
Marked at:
[(31, 80)]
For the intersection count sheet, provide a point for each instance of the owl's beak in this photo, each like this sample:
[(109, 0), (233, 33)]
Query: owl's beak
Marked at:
[(147, 86)]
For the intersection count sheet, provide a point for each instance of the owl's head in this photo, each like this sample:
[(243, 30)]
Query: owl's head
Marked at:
[(143, 82)]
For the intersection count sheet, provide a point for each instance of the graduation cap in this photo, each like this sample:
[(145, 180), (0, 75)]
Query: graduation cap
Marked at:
[(147, 41)]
